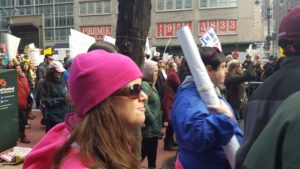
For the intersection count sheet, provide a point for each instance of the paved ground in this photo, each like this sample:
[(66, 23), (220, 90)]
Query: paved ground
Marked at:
[(37, 132)]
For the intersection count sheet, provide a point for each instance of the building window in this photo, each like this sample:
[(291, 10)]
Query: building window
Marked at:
[(25, 2), (48, 34), (43, 1), (168, 5), (61, 34), (48, 22), (217, 3), (26, 11), (95, 7), (6, 3)]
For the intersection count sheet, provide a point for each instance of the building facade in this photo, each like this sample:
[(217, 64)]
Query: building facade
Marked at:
[(236, 22), (44, 22)]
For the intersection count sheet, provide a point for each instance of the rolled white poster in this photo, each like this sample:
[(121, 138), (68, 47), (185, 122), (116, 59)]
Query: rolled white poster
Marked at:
[(204, 85)]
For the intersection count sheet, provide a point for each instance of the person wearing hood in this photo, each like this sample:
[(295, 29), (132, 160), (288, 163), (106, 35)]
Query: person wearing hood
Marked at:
[(109, 106)]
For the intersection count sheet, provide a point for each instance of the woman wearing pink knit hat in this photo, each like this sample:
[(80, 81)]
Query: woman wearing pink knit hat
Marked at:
[(106, 91)]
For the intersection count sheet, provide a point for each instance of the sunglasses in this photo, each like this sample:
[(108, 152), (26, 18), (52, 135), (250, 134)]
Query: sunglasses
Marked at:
[(133, 92)]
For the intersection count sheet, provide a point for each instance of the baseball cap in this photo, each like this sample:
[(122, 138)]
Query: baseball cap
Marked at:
[(57, 66)]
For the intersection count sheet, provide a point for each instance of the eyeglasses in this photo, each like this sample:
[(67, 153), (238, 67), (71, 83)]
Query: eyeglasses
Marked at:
[(132, 92), (50, 58)]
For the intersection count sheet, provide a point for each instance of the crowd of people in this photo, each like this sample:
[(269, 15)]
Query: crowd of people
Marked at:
[(97, 116)]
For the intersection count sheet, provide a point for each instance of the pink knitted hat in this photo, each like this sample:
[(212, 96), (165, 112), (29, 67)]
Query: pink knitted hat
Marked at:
[(94, 76)]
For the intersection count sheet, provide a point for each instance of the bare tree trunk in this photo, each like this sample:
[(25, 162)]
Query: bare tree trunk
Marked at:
[(132, 28)]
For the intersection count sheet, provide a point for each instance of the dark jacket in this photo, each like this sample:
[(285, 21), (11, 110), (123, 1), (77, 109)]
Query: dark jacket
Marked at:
[(160, 84), (236, 89), (265, 100), (268, 70), (54, 92), (41, 71), (277, 145)]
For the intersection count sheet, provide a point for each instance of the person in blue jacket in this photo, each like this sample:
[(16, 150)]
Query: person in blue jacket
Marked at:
[(202, 130)]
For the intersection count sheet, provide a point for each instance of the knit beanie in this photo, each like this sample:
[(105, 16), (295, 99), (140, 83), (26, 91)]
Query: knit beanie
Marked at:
[(95, 76), (289, 28), (148, 70)]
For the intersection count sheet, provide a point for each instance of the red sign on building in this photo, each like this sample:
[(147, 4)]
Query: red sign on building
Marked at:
[(221, 27), (232, 25), (97, 31), (213, 24), (169, 29), (160, 30)]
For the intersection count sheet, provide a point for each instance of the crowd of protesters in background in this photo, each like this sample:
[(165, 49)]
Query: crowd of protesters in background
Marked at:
[(254, 88)]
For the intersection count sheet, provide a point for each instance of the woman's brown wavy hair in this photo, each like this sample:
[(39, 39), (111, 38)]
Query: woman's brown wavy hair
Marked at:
[(105, 140)]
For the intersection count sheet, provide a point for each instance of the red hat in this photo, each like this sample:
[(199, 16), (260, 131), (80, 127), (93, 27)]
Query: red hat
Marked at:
[(289, 28), (95, 76)]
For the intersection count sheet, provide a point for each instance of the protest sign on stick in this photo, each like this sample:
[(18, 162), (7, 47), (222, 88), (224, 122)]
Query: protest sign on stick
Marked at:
[(79, 42), (210, 39)]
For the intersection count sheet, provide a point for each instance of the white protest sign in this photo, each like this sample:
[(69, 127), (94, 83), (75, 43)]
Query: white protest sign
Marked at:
[(31, 46), (12, 45), (34, 55), (39, 59), (79, 42), (61, 54), (210, 39), (148, 49), (109, 39), (166, 57)]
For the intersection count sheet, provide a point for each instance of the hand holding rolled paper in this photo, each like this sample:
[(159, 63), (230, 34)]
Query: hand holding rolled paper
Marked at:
[(222, 109)]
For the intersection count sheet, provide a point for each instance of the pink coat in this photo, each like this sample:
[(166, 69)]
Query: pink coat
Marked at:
[(42, 155)]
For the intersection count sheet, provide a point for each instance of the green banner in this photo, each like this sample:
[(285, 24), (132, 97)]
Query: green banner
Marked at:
[(8, 109)]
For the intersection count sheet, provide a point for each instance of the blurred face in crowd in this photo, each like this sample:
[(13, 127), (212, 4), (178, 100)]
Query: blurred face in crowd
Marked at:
[(239, 69), (25, 66), (49, 59), (217, 76), (10, 64), (19, 70), (16, 62), (57, 74), (177, 60), (155, 74), (174, 67), (130, 104), (32, 65), (161, 64)]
